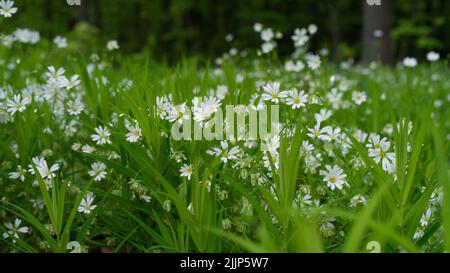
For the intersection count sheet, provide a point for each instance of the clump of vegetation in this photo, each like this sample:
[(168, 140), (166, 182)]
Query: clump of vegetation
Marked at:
[(357, 160)]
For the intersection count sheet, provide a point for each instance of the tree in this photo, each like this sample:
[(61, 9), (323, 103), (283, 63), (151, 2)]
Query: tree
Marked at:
[(377, 23)]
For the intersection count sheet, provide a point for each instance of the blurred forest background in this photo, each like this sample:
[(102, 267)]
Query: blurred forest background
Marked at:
[(173, 28)]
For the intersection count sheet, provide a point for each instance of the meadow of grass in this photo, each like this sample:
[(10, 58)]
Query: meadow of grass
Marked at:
[(359, 162)]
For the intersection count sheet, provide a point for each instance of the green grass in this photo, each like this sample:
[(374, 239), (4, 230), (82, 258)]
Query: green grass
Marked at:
[(248, 207)]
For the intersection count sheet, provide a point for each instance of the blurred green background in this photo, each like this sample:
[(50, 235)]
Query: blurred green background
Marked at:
[(168, 29)]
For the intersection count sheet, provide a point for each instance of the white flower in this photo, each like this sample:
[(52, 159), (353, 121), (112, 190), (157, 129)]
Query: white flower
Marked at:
[(70, 83), (273, 158), (75, 107), (410, 62), (312, 29), (7, 9), (102, 136), (267, 34), (300, 37), (98, 171), (330, 133), (76, 146), (86, 148), (268, 46), (334, 177), (436, 196), (205, 110), (60, 42), (335, 98), (134, 132), (418, 234), (186, 171), (239, 79), (18, 174), (425, 219), (433, 56), (327, 229), (251, 143), (307, 147), (14, 230), (360, 135), (43, 169), (26, 36), (295, 67), (257, 27), (378, 150), (222, 91), (4, 116), (229, 37), (146, 198), (178, 113), (272, 143), (317, 132), (313, 61), (324, 51), (359, 97), (17, 104), (112, 45), (296, 99), (225, 152), (323, 115), (7, 40), (163, 106), (55, 76), (86, 204), (357, 199), (272, 92), (303, 197)]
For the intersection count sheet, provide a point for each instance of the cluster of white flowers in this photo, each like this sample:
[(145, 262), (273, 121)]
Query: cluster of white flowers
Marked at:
[(411, 62), (204, 110), (26, 36), (45, 172), (379, 151), (60, 42), (325, 149), (112, 45), (268, 37), (427, 216)]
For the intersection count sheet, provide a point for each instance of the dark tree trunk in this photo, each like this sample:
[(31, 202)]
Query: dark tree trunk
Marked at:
[(164, 28), (335, 37), (82, 12), (97, 13), (377, 18)]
